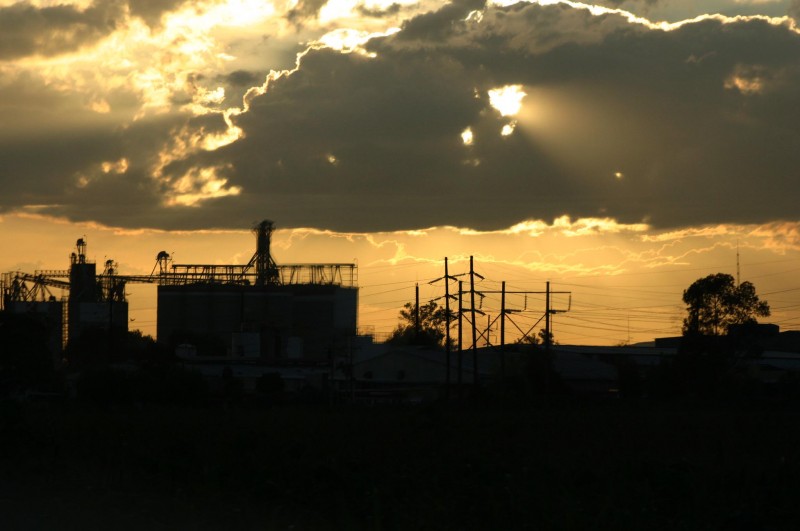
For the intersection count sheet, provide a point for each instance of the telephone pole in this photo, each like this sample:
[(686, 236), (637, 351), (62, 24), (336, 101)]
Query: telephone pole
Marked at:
[(472, 275), (503, 332), (547, 341), (460, 334), (446, 331), (447, 316), (547, 321), (504, 310), (416, 313)]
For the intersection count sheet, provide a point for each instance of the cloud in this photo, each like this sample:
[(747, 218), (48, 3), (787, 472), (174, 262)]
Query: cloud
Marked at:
[(623, 99), (243, 78), (677, 10), (304, 10), (701, 124), (151, 11), (391, 9), (28, 30), (62, 28), (794, 9)]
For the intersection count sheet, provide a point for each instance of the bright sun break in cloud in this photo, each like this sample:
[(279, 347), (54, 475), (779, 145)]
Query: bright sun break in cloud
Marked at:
[(508, 128), (507, 100)]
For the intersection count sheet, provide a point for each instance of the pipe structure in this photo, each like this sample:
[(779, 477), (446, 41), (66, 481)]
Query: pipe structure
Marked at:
[(266, 269)]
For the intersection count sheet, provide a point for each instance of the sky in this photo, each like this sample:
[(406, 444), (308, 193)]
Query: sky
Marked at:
[(619, 150)]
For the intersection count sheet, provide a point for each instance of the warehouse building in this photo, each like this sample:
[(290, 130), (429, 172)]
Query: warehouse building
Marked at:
[(287, 314)]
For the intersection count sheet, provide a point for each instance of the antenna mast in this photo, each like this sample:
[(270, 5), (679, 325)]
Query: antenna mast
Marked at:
[(737, 263)]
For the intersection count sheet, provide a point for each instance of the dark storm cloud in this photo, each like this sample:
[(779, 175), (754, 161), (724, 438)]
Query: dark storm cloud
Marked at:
[(52, 152), (237, 83), (151, 11), (29, 30), (393, 9), (243, 78), (54, 165), (619, 3), (794, 10), (431, 28), (304, 10), (701, 123)]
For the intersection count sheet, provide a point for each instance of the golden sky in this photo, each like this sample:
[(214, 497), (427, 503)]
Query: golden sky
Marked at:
[(619, 150), (625, 282)]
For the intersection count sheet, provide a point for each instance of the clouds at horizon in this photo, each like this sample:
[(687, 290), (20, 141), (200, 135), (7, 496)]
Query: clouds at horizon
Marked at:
[(625, 280), (693, 126)]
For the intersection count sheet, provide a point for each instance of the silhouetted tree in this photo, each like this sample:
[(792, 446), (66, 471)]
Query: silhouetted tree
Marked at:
[(432, 321), (715, 303), (141, 347), (543, 337), (707, 361), (537, 339)]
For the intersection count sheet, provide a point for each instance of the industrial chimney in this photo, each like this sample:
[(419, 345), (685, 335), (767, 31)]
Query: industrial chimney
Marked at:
[(266, 269)]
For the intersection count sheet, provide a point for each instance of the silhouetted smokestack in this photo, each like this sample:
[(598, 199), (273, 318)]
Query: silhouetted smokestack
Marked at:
[(266, 271)]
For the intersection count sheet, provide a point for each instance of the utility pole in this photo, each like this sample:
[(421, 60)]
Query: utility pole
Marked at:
[(547, 321), (472, 310), (503, 332), (447, 316), (111, 320), (508, 311), (460, 334), (548, 332), (472, 322), (416, 313), (547, 342), (447, 330), (547, 318)]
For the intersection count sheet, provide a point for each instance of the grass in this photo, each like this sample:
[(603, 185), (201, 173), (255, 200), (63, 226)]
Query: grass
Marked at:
[(71, 466)]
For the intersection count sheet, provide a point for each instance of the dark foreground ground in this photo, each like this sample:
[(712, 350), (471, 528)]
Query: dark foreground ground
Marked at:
[(611, 466)]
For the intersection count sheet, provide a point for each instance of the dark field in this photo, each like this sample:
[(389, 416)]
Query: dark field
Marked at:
[(612, 466)]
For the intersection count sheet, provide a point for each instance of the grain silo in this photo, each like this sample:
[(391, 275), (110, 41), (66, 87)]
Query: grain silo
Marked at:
[(279, 314)]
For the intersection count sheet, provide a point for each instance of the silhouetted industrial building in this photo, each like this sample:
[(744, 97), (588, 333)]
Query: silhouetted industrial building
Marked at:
[(95, 302), (309, 322), (258, 311)]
